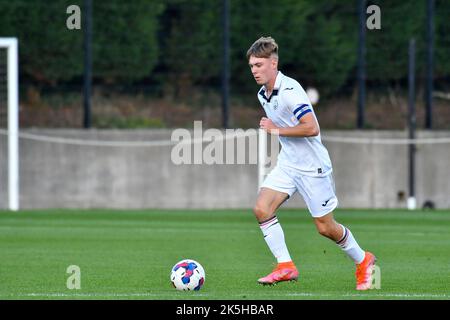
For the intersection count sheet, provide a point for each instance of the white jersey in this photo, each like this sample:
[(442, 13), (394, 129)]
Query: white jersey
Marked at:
[(285, 107)]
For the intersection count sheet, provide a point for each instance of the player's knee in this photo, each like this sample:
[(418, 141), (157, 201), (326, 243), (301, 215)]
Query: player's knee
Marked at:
[(261, 212), (258, 210)]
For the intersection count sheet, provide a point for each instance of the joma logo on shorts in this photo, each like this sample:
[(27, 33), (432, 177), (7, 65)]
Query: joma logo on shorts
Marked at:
[(325, 203)]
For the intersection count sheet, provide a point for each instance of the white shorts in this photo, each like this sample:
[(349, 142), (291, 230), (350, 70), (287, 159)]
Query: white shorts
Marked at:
[(318, 192)]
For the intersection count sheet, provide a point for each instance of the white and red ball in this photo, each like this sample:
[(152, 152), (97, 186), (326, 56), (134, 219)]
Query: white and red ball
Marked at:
[(187, 275)]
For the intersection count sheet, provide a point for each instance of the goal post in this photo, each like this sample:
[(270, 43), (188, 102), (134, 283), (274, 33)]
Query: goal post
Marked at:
[(268, 150), (262, 156), (12, 92)]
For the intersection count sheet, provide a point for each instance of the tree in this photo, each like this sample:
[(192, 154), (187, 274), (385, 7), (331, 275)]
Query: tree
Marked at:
[(124, 39)]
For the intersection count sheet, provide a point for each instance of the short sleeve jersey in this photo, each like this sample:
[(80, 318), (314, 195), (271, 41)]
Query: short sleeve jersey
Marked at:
[(287, 104)]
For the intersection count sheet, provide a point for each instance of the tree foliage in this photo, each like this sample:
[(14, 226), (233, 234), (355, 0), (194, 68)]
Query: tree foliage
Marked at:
[(178, 43), (124, 39)]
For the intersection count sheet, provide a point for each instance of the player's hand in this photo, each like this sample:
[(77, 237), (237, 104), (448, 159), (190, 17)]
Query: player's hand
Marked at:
[(267, 124)]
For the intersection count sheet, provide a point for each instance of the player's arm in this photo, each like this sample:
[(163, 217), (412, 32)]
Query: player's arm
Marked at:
[(307, 127)]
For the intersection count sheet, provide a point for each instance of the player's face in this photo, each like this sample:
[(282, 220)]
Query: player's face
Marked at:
[(263, 69)]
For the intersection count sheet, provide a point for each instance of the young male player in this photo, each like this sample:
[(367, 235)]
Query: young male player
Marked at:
[(303, 165)]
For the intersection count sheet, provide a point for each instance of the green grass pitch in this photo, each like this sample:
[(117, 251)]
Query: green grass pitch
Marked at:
[(129, 254)]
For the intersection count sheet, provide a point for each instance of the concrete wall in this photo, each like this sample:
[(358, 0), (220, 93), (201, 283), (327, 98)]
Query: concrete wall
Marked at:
[(56, 175)]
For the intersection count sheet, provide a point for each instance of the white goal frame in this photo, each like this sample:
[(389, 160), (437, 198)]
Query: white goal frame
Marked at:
[(11, 45)]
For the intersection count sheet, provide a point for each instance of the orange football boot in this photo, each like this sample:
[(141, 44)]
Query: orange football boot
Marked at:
[(285, 271), (364, 272)]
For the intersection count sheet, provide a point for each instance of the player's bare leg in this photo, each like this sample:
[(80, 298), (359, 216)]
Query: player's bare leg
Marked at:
[(328, 227), (267, 203)]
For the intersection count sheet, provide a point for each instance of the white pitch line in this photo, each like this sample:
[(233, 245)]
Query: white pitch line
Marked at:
[(381, 295), (298, 294), (94, 295)]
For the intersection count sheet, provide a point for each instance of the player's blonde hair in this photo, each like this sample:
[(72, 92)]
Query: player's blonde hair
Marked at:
[(264, 47)]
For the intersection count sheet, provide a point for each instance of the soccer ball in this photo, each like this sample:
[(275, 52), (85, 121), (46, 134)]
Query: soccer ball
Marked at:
[(187, 274)]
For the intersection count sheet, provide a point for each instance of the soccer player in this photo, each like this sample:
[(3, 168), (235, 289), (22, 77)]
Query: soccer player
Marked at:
[(303, 165)]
